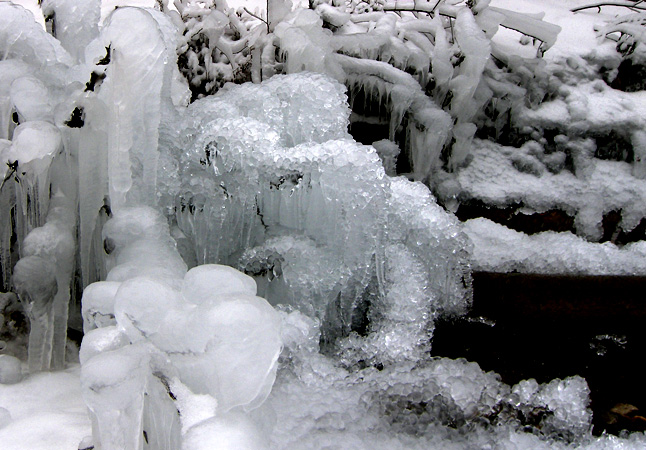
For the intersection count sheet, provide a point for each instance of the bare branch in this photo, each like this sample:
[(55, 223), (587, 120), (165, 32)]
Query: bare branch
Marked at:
[(625, 4), (257, 17)]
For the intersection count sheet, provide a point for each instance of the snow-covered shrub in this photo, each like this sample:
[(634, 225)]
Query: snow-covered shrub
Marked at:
[(215, 45), (427, 69)]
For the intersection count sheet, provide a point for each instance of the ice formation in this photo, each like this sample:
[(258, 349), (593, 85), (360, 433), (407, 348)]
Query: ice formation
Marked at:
[(253, 277)]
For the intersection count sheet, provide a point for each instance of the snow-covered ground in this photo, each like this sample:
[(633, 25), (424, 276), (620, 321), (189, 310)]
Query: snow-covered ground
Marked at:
[(46, 411)]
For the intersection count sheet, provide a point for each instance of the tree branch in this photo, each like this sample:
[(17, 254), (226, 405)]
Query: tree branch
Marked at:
[(598, 5), (257, 17)]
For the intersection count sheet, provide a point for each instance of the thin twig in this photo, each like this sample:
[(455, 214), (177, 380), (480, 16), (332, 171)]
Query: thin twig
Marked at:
[(257, 17), (621, 4), (13, 168)]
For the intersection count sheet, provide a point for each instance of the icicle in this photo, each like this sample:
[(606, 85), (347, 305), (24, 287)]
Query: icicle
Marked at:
[(35, 282), (34, 146), (93, 184), (466, 101), (133, 121)]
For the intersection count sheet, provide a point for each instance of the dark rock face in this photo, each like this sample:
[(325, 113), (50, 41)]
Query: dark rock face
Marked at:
[(511, 217), (631, 77), (553, 220)]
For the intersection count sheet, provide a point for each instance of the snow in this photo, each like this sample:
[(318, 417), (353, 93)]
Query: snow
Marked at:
[(500, 176), (47, 412), (499, 249), (577, 35)]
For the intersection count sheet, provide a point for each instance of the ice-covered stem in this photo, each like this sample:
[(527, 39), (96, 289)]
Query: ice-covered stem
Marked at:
[(428, 127), (469, 95), (530, 25), (632, 31), (35, 282)]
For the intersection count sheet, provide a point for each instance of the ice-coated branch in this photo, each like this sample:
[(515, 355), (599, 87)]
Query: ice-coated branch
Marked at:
[(530, 25)]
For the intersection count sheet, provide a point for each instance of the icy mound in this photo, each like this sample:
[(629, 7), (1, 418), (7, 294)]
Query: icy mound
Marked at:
[(205, 329), (316, 404), (272, 184)]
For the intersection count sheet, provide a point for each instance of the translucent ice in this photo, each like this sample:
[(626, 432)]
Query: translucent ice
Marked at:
[(98, 304), (208, 280), (31, 99), (34, 146), (114, 385), (226, 345), (22, 38), (35, 282), (54, 242), (276, 192), (75, 24), (138, 243), (204, 327), (133, 121), (103, 339)]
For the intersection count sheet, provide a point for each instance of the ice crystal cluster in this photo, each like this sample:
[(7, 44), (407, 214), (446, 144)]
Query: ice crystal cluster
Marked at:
[(252, 277)]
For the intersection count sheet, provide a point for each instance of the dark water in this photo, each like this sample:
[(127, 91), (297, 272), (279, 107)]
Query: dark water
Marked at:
[(545, 327)]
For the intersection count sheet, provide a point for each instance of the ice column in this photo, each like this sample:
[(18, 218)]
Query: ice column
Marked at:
[(138, 59), (54, 242), (45, 217), (35, 283), (468, 94)]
